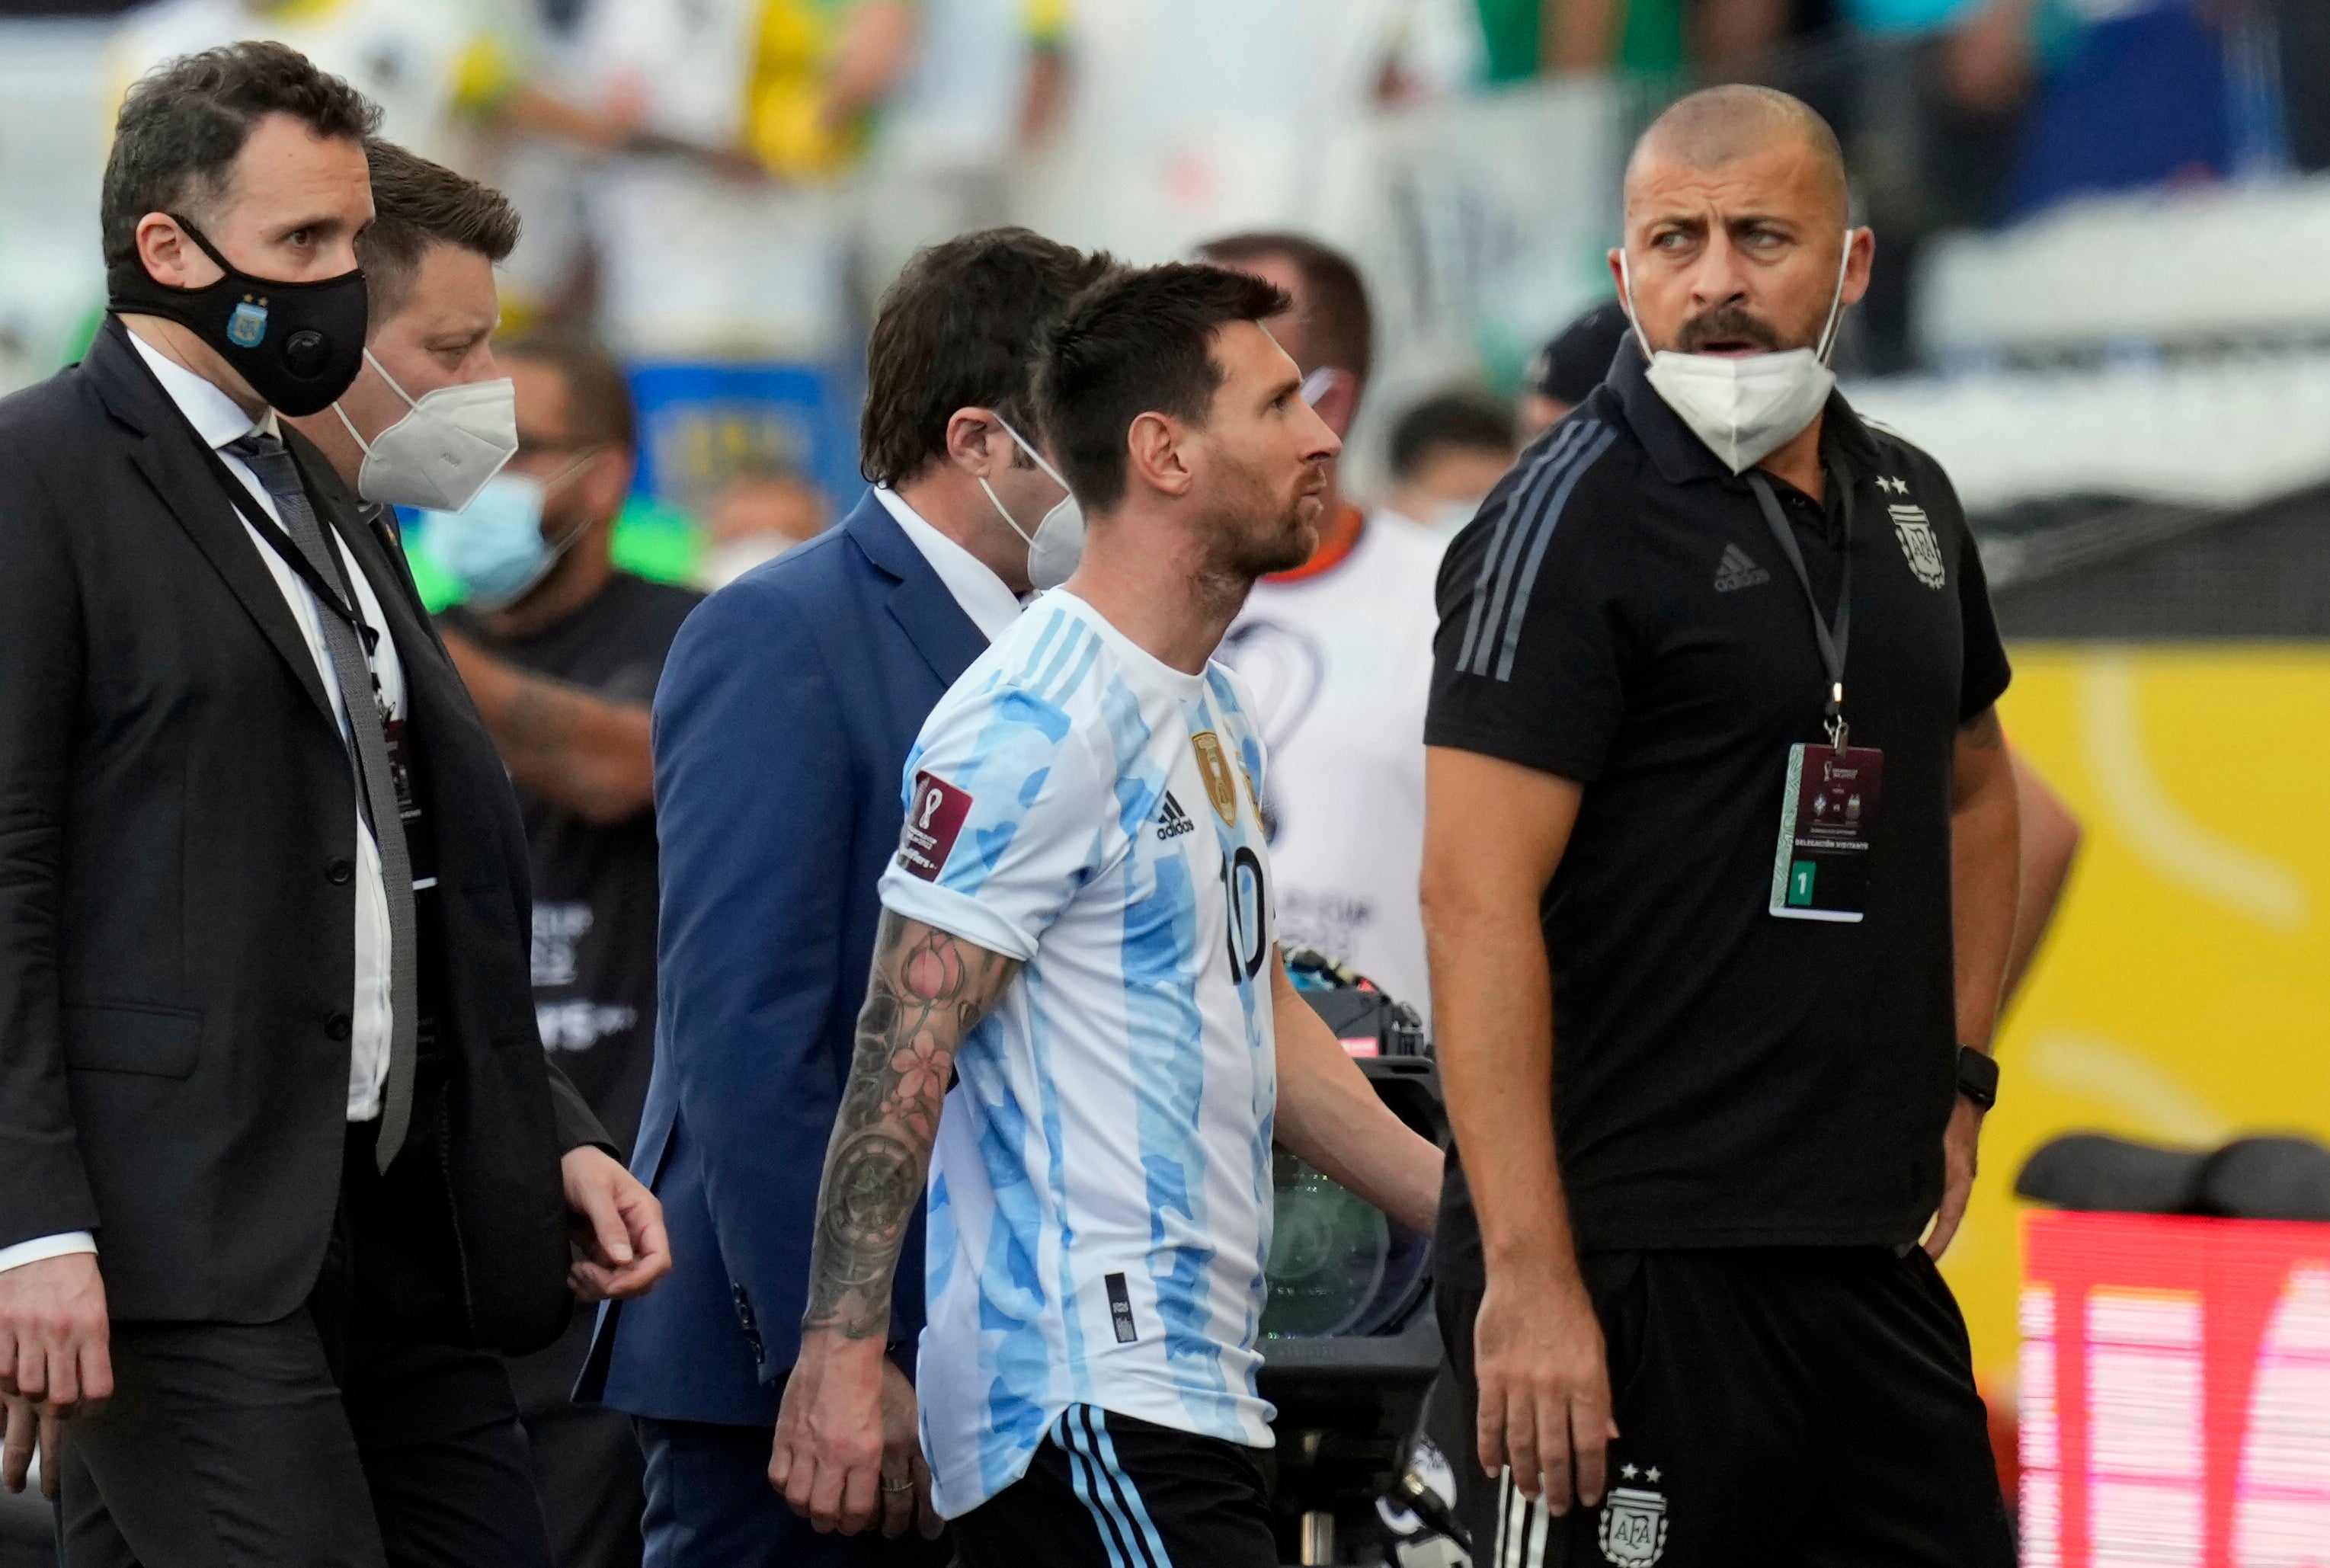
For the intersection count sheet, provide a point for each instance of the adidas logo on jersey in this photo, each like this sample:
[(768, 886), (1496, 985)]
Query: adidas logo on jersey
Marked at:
[(1173, 821), (1737, 571)]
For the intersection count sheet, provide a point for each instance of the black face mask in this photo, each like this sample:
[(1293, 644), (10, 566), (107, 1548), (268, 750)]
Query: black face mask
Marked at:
[(298, 344)]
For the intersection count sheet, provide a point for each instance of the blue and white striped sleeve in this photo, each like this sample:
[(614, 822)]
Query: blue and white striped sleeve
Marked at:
[(1008, 813)]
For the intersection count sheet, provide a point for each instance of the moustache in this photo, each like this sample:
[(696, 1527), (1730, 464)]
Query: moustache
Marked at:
[(1725, 322)]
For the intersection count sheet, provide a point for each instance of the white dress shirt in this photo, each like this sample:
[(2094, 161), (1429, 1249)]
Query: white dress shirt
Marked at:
[(992, 608), (218, 420)]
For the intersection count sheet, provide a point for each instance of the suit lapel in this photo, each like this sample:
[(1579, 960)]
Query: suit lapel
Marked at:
[(172, 464), (944, 636), (937, 627)]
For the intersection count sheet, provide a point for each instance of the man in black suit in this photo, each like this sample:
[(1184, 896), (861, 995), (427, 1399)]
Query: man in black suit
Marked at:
[(446, 419), (280, 1154), (562, 670)]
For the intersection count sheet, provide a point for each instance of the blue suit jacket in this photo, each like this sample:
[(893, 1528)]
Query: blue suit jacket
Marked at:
[(781, 727)]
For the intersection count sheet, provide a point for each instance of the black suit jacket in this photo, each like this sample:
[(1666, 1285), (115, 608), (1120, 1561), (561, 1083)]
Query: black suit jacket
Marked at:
[(177, 823)]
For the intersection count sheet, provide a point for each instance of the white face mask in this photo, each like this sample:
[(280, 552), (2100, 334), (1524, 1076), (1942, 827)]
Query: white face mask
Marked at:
[(1057, 545), (440, 454), (1744, 407)]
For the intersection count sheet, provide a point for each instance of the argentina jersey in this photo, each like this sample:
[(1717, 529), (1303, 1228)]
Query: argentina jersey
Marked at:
[(1100, 1195)]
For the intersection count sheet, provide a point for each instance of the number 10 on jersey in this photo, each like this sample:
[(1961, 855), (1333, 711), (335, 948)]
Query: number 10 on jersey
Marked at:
[(1242, 889)]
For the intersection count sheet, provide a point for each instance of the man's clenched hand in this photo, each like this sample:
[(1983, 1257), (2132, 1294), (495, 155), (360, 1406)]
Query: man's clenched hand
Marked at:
[(832, 1440), (620, 1247), (54, 1336)]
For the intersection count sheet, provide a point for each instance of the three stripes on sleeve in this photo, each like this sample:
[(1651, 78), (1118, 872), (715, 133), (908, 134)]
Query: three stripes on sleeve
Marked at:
[(1517, 545)]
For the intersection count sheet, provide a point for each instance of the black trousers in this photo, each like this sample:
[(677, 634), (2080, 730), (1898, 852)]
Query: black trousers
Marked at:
[(586, 1457), (326, 1439), (1783, 1407)]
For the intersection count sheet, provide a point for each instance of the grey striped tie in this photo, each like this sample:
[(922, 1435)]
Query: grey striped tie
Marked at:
[(376, 792)]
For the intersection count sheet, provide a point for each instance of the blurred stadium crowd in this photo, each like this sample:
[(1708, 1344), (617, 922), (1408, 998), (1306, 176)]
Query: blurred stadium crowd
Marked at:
[(707, 187)]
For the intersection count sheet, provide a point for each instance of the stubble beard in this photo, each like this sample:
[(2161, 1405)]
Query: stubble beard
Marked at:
[(1239, 554), (1290, 544), (1248, 554)]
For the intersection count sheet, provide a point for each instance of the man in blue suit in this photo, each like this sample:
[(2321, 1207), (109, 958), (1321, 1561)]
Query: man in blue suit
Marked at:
[(781, 727)]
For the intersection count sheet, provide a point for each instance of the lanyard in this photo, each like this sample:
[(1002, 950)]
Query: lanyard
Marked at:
[(339, 600), (1832, 644), (334, 597), (327, 594)]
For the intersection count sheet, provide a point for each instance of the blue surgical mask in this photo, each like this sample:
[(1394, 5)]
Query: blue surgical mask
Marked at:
[(494, 546)]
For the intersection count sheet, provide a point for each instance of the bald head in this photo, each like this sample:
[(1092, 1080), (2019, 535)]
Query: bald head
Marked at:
[(1724, 126), (1736, 239)]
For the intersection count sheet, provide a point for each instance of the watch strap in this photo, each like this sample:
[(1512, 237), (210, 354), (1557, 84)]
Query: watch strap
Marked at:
[(1978, 1077)]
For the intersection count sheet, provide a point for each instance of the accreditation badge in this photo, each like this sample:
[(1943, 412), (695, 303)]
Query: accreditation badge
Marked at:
[(1828, 825)]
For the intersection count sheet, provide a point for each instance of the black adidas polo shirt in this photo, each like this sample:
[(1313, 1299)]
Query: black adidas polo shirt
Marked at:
[(1618, 614)]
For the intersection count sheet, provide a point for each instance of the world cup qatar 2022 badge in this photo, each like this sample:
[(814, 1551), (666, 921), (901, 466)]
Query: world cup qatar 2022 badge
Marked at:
[(1918, 545), (934, 822), (1221, 785), (246, 327), (1634, 1524)]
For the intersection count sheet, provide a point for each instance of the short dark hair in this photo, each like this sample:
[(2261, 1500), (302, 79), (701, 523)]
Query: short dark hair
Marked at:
[(1136, 343), (185, 122), (1464, 420), (597, 393), (960, 328), (417, 204), (1569, 367), (1338, 327)]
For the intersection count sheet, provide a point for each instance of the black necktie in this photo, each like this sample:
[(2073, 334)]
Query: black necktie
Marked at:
[(271, 462)]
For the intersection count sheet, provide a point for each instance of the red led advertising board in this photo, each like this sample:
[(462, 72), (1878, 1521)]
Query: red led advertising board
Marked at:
[(2176, 1393)]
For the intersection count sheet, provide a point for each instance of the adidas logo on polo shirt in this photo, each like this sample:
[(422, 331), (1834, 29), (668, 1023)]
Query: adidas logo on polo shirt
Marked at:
[(1737, 571), (1174, 822)]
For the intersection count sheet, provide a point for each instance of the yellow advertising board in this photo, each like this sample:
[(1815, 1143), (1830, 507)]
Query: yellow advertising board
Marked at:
[(2184, 995)]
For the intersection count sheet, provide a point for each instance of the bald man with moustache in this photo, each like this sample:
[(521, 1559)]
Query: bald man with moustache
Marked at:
[(1720, 888)]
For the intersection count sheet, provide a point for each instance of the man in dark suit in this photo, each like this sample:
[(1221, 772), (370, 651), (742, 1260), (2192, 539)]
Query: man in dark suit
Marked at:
[(782, 725), (560, 652), (279, 1156), (562, 672)]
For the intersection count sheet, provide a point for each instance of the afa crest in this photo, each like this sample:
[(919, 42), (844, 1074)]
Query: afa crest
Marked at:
[(1919, 547), (1634, 1525), (246, 327)]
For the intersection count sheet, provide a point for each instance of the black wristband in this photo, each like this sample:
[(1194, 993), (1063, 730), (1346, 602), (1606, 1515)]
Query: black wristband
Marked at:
[(1977, 1077)]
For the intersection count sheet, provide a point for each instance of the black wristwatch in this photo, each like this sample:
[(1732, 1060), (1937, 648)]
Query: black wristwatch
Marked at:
[(1977, 1077)]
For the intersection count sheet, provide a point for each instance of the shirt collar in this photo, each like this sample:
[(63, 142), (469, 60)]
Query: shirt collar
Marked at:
[(991, 607), (1675, 449), (217, 418)]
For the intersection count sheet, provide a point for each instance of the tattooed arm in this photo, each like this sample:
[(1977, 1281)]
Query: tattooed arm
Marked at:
[(928, 989), (1985, 868), (568, 745)]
